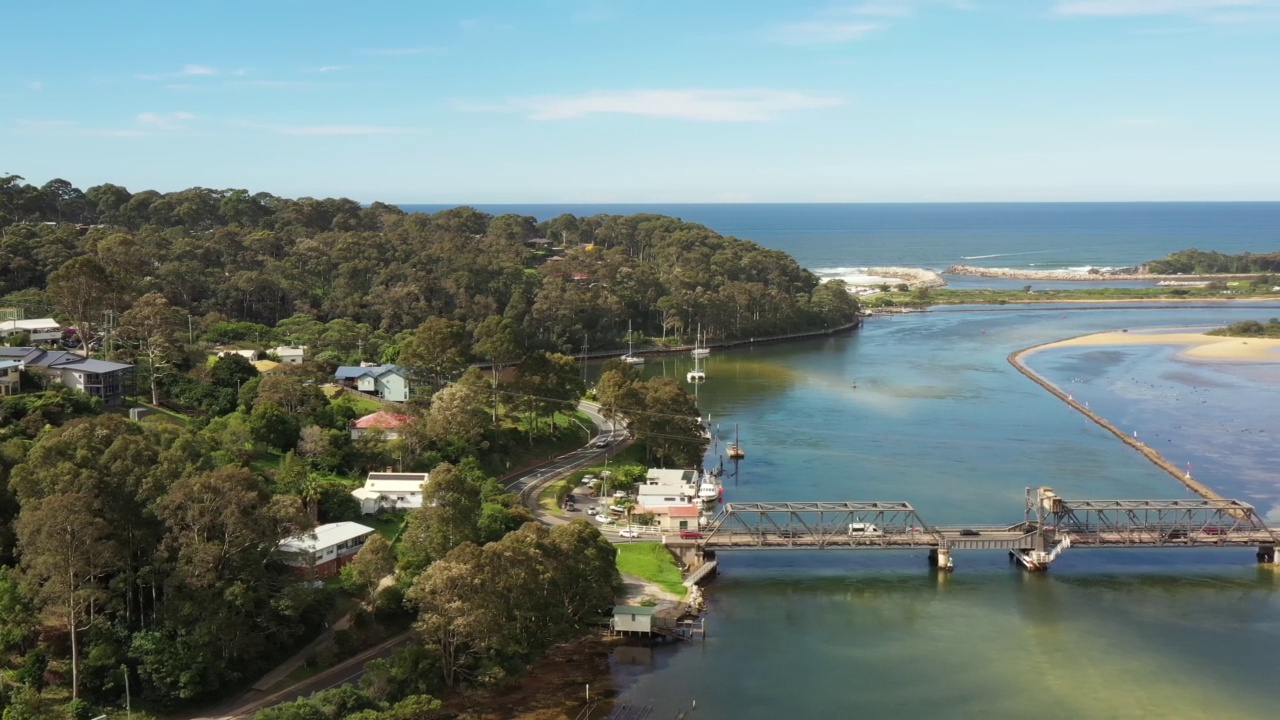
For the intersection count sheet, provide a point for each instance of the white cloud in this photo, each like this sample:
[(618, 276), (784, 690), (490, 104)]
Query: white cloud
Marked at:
[(332, 68), (35, 85), (72, 128), (882, 8), (419, 50), (703, 105), (818, 32), (164, 121), (186, 71), (321, 130), (1126, 8)]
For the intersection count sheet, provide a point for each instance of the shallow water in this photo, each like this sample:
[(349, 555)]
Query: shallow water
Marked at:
[(940, 419)]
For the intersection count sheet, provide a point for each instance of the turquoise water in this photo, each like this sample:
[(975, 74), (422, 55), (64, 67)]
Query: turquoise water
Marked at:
[(940, 419)]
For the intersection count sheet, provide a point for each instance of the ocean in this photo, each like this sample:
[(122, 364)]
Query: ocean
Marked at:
[(835, 240)]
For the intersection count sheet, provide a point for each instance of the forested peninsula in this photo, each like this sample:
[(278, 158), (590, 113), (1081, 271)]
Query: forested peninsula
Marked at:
[(232, 255), (195, 383)]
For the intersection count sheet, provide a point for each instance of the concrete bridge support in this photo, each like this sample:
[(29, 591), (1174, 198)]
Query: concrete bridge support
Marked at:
[(1267, 555), (941, 559)]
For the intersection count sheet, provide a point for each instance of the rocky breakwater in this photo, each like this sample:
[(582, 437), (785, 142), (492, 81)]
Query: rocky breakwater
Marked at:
[(915, 277), (1092, 274), (1095, 274)]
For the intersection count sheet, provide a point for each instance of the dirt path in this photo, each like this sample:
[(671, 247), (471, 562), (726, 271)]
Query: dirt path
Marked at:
[(636, 589)]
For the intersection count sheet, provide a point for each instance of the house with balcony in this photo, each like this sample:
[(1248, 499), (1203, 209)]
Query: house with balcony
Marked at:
[(388, 382), (98, 378), (391, 491), (39, 330), (10, 372), (323, 552)]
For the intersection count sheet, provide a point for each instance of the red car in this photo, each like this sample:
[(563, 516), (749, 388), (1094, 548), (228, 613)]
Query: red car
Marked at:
[(690, 535)]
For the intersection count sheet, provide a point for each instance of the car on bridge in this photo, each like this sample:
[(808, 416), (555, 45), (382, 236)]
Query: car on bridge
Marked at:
[(969, 532), (788, 533), (690, 535)]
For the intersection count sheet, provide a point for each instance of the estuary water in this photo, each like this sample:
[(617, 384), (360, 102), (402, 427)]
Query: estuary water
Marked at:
[(940, 419)]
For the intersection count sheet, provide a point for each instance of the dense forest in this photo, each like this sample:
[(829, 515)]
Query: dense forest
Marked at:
[(143, 555), (1201, 262), (229, 255)]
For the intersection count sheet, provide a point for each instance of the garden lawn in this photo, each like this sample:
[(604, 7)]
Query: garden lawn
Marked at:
[(652, 562)]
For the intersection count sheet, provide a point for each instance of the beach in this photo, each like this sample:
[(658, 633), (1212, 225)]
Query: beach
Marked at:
[(1197, 346)]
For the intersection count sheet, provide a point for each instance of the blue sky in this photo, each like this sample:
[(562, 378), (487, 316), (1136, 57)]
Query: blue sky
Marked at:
[(651, 100)]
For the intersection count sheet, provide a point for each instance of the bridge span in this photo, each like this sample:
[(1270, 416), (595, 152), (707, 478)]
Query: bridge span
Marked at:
[(1051, 525)]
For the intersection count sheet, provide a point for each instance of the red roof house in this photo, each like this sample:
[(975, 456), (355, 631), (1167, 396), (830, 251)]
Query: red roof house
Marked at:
[(388, 422)]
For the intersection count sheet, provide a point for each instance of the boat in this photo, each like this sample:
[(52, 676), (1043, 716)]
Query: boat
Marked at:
[(708, 491), (735, 451), (631, 358), (695, 376), (699, 349)]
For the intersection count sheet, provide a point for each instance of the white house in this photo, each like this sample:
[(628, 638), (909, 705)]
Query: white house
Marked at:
[(390, 491), (290, 355), (40, 330), (10, 371), (249, 355), (389, 382), (667, 487), (322, 552)]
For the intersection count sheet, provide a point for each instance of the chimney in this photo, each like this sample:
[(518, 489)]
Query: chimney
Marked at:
[(390, 469)]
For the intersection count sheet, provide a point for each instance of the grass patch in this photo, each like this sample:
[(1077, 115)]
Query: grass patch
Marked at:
[(361, 403), (388, 525), (652, 562)]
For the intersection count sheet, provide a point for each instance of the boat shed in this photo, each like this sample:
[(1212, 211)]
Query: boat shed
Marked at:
[(646, 620)]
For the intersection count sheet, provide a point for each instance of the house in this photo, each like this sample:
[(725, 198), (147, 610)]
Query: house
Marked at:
[(389, 382), (10, 371), (390, 491), (667, 487), (645, 620), (249, 355), (98, 378), (290, 355), (40, 330), (388, 422), (265, 366), (672, 517), (322, 552)]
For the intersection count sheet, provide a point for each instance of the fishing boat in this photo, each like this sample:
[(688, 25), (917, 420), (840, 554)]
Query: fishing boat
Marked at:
[(735, 451), (631, 358), (708, 491)]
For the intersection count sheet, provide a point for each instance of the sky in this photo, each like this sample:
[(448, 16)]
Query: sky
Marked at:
[(527, 101)]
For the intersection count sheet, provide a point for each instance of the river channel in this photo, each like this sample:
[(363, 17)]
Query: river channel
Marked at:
[(940, 419)]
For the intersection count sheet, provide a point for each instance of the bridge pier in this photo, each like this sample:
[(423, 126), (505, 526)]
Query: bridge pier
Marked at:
[(941, 559), (1267, 555)]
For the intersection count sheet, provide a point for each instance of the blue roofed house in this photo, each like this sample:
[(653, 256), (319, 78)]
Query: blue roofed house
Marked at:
[(389, 382), (98, 378)]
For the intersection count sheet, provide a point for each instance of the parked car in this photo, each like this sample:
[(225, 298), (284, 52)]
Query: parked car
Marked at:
[(690, 535), (619, 493), (629, 533), (592, 511)]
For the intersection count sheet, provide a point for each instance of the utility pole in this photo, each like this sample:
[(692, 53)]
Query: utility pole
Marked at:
[(191, 333)]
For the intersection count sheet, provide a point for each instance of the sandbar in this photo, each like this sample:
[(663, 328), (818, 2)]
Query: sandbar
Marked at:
[(1196, 345)]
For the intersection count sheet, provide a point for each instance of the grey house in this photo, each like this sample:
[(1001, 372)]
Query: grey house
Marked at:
[(389, 382), (98, 378)]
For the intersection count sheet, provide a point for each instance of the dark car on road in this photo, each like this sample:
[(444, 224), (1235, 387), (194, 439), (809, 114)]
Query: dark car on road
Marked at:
[(788, 533), (969, 532)]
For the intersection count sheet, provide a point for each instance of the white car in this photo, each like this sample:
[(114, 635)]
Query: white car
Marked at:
[(619, 493), (604, 519), (629, 533), (592, 511)]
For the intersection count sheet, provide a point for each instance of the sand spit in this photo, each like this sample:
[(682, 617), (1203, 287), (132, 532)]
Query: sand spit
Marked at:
[(1095, 275), (1197, 345)]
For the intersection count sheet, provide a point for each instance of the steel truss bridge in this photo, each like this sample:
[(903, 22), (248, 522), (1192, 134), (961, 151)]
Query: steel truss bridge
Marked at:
[(1050, 526)]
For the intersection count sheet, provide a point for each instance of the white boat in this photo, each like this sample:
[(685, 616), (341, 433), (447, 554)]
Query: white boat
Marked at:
[(709, 491), (631, 358), (699, 350), (695, 376)]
